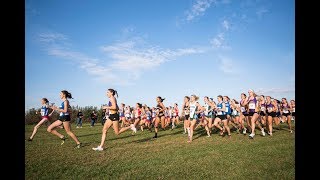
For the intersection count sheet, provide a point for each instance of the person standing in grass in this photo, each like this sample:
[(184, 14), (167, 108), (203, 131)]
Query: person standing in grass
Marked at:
[(112, 120), (160, 115), (93, 117), (79, 119), (45, 117), (64, 118)]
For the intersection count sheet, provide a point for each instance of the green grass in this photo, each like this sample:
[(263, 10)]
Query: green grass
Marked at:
[(169, 157)]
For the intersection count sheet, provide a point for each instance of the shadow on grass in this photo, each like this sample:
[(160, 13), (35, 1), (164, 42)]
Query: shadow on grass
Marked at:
[(122, 137), (88, 134), (160, 135)]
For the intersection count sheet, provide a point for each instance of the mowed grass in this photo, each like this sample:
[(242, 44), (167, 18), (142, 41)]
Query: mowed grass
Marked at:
[(138, 156)]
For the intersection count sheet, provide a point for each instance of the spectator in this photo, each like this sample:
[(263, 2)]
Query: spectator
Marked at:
[(93, 117), (79, 119)]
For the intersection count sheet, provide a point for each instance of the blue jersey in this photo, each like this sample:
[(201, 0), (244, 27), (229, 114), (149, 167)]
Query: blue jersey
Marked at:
[(44, 110), (62, 107), (148, 115), (121, 112), (228, 108), (219, 106)]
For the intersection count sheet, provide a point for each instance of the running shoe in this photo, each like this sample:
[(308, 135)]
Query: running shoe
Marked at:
[(99, 148)]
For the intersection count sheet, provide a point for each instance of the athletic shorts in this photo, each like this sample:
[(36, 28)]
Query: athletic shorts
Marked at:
[(114, 117), (222, 117), (272, 114), (65, 118), (262, 113), (286, 114), (45, 117), (251, 113), (160, 115)]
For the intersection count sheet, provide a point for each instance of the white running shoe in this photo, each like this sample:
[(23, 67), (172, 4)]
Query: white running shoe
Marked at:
[(244, 131), (263, 133), (99, 148), (251, 136), (134, 129)]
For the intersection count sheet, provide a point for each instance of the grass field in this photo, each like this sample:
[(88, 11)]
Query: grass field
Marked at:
[(169, 157)]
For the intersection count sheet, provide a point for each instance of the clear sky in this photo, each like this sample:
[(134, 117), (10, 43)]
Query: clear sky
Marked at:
[(149, 48)]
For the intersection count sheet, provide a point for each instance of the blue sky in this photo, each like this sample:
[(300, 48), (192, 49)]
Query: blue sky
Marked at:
[(150, 48)]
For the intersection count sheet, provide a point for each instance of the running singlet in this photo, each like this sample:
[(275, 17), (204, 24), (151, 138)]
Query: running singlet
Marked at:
[(44, 110), (127, 113), (160, 108), (263, 107), (148, 115), (62, 107), (252, 105), (269, 107), (193, 109), (234, 111), (121, 112), (219, 106), (154, 113), (186, 110), (207, 107), (112, 111), (228, 109), (137, 113), (242, 108), (175, 112), (285, 109)]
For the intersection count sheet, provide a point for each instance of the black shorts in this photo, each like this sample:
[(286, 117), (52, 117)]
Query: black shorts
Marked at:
[(251, 113), (64, 118), (114, 117), (286, 114), (160, 115), (222, 117), (262, 113), (272, 114), (186, 117)]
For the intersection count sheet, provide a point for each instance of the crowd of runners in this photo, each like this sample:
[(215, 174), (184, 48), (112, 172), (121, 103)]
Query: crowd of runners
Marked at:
[(219, 115)]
